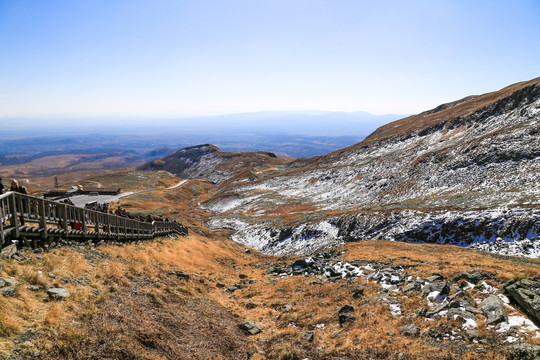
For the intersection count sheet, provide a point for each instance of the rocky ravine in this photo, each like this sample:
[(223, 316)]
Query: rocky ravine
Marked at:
[(463, 173)]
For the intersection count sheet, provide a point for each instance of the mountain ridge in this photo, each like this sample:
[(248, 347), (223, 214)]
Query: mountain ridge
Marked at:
[(480, 152)]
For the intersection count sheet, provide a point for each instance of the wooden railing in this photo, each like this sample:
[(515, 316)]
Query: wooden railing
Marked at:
[(31, 220)]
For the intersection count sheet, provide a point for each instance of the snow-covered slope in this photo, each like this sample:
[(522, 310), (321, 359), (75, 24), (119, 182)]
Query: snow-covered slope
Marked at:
[(476, 154)]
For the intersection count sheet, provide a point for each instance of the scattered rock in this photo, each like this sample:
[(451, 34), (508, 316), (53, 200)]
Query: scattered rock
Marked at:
[(526, 294), (436, 309), (357, 293), (308, 336), (472, 334), (182, 275), (58, 293), (493, 309), (344, 314), (220, 285), (242, 276), (33, 287), (411, 330), (8, 281), (440, 286), (412, 286), (251, 305), (300, 264), (473, 278), (250, 328), (524, 351), (8, 291), (8, 251)]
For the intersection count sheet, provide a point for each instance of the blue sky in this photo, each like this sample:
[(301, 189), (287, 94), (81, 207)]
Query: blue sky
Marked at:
[(203, 57)]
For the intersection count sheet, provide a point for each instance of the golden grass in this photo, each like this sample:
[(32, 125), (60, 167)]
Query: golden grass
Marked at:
[(134, 276)]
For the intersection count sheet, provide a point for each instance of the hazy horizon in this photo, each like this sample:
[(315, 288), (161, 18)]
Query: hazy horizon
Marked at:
[(140, 58)]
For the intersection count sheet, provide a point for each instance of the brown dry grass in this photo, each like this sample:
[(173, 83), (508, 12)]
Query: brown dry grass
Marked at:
[(130, 307)]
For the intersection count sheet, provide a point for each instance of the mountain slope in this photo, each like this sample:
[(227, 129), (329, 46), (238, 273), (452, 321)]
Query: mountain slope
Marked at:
[(474, 155), (209, 162)]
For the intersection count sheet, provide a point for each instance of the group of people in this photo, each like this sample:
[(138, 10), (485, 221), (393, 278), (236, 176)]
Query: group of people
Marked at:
[(122, 212), (14, 187)]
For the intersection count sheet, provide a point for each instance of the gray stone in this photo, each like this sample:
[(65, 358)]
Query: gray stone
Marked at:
[(458, 314), (412, 286), (357, 293), (8, 291), (434, 277), (33, 287), (473, 278), (437, 309), (526, 294), (182, 275), (250, 328), (493, 309), (251, 305), (411, 330), (287, 307), (471, 334), (58, 293), (8, 251), (344, 314), (308, 336), (440, 285), (524, 351), (8, 281)]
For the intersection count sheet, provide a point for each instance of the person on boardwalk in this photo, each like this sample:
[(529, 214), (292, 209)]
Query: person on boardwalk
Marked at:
[(17, 188), (3, 188), (20, 189)]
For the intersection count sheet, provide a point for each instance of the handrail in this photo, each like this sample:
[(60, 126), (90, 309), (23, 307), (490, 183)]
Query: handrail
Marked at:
[(25, 216)]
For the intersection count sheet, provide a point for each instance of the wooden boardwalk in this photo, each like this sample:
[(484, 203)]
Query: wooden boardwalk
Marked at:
[(32, 220)]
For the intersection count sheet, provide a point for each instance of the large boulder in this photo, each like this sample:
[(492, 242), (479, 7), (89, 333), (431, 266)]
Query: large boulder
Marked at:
[(493, 309), (526, 294)]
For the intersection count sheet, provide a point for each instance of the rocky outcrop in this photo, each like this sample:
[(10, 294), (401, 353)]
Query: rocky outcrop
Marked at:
[(209, 162), (526, 294)]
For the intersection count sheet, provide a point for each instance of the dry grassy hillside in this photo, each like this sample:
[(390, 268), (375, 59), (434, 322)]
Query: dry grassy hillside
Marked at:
[(129, 302), (68, 167)]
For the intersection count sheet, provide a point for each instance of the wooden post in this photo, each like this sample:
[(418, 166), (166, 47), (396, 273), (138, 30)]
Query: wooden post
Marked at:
[(83, 222), (108, 225), (65, 216), (117, 227), (14, 217), (97, 217), (42, 219)]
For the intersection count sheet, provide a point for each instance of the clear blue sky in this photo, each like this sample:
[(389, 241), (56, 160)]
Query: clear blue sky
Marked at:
[(199, 57)]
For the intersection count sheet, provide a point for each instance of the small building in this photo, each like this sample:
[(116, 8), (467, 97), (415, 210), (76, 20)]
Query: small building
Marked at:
[(99, 191), (55, 193)]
